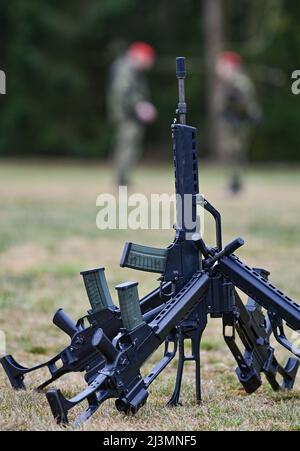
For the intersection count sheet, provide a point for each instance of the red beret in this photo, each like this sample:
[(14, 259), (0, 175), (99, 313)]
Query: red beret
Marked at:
[(231, 57), (142, 48)]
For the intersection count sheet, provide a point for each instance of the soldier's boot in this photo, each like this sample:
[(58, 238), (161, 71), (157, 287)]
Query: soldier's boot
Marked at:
[(236, 185)]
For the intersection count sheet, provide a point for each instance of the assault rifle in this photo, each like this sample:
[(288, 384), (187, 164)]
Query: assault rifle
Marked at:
[(111, 344)]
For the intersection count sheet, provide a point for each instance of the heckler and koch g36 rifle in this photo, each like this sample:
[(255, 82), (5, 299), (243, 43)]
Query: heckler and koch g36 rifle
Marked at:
[(111, 344)]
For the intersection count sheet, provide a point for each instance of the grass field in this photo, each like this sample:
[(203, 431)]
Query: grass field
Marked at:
[(48, 235)]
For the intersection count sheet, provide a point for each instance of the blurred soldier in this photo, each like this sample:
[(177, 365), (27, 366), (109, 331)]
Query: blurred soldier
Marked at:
[(239, 113), (128, 106)]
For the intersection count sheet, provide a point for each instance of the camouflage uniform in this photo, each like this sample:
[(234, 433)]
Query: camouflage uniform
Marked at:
[(127, 88), (240, 112)]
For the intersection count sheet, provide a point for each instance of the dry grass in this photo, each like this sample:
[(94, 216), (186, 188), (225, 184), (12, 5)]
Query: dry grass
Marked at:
[(48, 235)]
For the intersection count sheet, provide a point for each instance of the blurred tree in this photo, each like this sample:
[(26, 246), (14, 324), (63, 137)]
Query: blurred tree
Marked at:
[(213, 18)]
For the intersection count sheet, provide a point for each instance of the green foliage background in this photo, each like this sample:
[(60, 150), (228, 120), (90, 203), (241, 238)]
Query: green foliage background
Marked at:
[(56, 54)]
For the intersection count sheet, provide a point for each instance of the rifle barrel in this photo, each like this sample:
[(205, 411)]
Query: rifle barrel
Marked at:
[(181, 74)]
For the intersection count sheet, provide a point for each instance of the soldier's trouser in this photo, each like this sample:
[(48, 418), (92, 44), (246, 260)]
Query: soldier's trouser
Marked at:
[(235, 142), (128, 147)]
